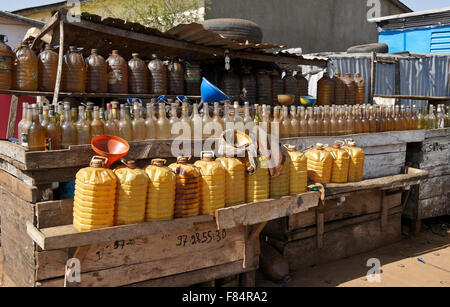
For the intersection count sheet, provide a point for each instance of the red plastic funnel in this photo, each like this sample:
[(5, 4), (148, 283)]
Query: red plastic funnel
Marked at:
[(111, 147)]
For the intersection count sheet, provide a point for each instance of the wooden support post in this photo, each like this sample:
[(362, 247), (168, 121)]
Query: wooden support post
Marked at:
[(60, 63), (12, 117), (373, 76), (248, 279), (384, 211)]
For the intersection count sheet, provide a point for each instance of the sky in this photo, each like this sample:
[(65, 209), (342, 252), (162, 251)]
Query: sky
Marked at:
[(416, 5)]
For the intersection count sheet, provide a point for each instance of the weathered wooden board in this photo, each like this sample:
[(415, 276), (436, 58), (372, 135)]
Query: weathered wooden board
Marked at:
[(54, 213), (22, 190), (343, 242), (357, 204), (433, 207), (251, 214), (67, 236), (435, 152), (435, 186), (379, 150), (15, 265), (383, 165), (436, 133), (117, 253), (129, 274)]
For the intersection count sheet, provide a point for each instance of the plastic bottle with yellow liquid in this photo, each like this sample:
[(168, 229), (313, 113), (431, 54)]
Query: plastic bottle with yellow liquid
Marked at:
[(341, 163), (212, 183), (161, 191), (279, 186), (298, 170), (95, 196), (131, 196), (320, 163), (234, 181), (357, 157), (258, 184)]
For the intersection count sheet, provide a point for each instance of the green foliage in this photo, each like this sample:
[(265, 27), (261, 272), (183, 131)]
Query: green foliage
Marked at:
[(161, 14)]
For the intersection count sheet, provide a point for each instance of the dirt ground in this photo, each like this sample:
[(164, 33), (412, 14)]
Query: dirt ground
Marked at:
[(399, 266)]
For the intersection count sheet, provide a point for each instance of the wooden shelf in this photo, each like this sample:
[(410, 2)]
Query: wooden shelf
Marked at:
[(90, 95), (66, 236)]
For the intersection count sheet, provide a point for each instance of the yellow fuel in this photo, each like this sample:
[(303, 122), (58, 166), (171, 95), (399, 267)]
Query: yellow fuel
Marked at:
[(320, 163), (95, 196), (279, 186), (357, 157), (161, 191), (341, 163), (234, 181), (298, 172), (131, 194), (258, 184), (212, 186)]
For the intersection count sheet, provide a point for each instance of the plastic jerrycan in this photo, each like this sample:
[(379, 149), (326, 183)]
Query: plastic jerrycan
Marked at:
[(212, 184), (161, 191), (25, 69), (95, 196), (279, 186), (187, 191), (357, 157), (234, 181), (320, 163), (258, 184), (6, 64), (298, 170), (339, 172), (132, 186)]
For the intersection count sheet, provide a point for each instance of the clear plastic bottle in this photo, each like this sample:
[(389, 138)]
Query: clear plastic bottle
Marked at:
[(125, 125), (163, 124), (97, 127), (83, 128)]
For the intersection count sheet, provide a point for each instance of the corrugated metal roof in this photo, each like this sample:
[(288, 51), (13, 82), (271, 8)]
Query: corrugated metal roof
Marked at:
[(421, 19)]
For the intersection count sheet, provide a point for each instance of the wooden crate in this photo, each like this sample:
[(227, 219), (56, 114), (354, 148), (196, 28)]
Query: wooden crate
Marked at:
[(431, 198), (355, 218)]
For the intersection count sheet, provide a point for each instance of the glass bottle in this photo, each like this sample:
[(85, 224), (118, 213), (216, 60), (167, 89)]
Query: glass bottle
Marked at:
[(125, 125), (138, 123), (110, 125), (372, 120), (384, 122), (311, 122), (97, 127), (318, 120), (53, 131), (163, 125), (440, 118), (303, 121), (36, 133), (197, 123), (365, 120), (285, 124), (275, 125), (341, 122), (432, 120), (115, 114), (44, 121), (175, 127), (186, 120), (389, 119), (89, 110), (74, 115), (420, 119), (448, 116), (20, 126), (333, 122), (83, 128), (445, 116), (350, 123), (150, 123), (26, 126), (266, 122), (102, 116), (68, 132), (248, 120), (414, 119), (295, 123), (237, 119), (326, 125)]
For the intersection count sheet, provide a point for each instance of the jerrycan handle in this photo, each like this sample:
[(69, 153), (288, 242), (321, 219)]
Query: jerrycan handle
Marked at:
[(183, 159), (131, 100), (347, 141), (202, 153), (103, 159), (158, 162)]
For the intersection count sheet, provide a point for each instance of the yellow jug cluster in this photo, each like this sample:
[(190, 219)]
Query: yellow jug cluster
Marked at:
[(95, 197), (258, 184), (279, 186), (212, 184), (187, 192), (341, 163), (234, 181), (298, 171), (320, 164), (357, 157), (131, 194), (161, 191)]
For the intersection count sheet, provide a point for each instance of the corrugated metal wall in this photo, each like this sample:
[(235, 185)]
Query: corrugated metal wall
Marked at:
[(427, 75)]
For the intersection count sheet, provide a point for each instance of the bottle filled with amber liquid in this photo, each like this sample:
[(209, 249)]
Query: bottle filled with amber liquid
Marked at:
[(36, 133), (52, 131), (83, 127)]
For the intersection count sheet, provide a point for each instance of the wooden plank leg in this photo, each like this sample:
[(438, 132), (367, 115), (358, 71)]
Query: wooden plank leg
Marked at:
[(416, 226), (12, 117), (248, 279)]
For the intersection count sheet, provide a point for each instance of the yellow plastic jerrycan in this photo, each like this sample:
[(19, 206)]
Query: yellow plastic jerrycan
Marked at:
[(298, 171), (95, 196), (258, 184), (161, 191), (279, 186), (187, 191), (339, 172), (212, 183), (234, 181), (320, 163), (131, 194), (357, 157)]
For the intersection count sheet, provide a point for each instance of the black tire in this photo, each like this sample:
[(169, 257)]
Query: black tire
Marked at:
[(376, 47), (240, 30)]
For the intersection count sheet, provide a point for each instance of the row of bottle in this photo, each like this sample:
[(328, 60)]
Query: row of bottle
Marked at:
[(263, 87), (26, 71), (47, 128), (341, 90)]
